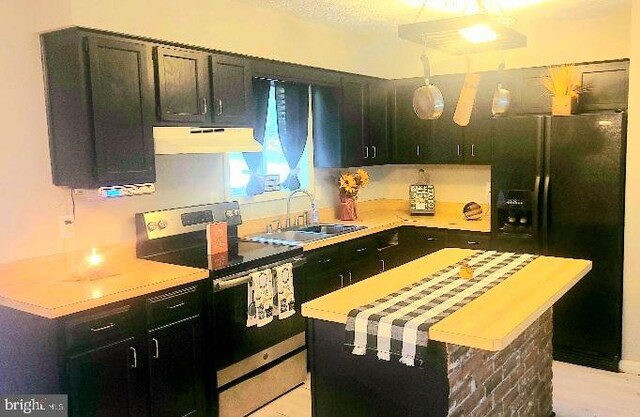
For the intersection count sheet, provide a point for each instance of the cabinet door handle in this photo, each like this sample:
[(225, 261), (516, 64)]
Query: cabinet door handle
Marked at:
[(205, 108), (375, 152), (366, 152), (473, 149), (361, 249), (418, 150), (156, 345), (135, 357), (473, 242), (180, 304), (341, 280), (431, 239), (324, 261), (220, 107), (349, 277), (383, 266), (100, 329), (459, 153)]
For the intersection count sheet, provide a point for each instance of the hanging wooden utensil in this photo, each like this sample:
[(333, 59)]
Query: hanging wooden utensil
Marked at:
[(464, 108)]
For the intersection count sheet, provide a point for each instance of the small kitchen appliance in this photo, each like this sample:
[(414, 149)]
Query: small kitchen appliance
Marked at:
[(422, 196), (252, 365)]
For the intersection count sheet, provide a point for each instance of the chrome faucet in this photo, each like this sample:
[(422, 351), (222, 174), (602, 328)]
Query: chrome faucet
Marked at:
[(294, 192)]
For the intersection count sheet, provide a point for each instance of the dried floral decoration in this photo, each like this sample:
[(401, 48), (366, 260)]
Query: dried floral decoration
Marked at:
[(564, 81)]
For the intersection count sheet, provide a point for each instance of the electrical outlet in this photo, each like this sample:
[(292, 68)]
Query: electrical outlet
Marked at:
[(67, 226)]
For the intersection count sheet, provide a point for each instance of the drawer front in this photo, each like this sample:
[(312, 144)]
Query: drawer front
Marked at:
[(360, 249), (100, 328), (425, 241), (174, 305), (469, 240), (323, 260)]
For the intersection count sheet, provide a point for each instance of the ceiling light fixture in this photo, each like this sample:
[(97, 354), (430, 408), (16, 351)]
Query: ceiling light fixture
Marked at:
[(478, 34), (464, 34)]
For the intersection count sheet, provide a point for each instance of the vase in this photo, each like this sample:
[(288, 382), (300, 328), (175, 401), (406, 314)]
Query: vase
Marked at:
[(563, 105), (348, 210)]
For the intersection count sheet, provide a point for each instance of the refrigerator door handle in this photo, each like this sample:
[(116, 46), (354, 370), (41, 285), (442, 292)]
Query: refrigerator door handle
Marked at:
[(545, 215)]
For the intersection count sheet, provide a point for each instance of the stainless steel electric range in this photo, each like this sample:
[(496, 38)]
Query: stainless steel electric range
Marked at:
[(252, 365)]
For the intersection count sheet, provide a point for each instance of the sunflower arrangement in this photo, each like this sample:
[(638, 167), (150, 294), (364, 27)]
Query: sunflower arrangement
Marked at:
[(350, 183)]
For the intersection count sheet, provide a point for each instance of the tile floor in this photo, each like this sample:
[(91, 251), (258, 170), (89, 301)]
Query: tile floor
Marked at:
[(577, 392)]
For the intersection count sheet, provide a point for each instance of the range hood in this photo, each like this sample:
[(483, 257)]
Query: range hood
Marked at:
[(177, 140)]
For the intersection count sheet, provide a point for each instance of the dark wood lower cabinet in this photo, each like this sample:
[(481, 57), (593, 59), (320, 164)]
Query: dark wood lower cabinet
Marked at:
[(176, 378), (108, 381), (125, 360)]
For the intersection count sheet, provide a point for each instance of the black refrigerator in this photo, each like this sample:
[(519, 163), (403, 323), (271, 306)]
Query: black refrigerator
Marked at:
[(558, 190)]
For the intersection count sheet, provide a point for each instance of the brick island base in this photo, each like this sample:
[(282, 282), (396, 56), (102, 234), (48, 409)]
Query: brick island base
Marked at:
[(456, 381)]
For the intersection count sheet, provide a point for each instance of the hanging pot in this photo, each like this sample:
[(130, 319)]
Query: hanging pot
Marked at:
[(428, 102), (501, 97)]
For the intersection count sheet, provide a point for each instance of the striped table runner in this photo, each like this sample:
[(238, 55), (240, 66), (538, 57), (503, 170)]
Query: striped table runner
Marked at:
[(398, 324)]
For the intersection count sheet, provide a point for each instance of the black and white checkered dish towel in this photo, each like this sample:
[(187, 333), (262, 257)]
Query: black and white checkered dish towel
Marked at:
[(399, 323)]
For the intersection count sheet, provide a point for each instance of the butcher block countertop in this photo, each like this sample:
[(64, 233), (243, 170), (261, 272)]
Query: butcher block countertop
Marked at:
[(381, 215), (59, 285), (489, 322)]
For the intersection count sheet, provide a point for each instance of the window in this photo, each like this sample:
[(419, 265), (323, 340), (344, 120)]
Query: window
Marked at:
[(273, 160)]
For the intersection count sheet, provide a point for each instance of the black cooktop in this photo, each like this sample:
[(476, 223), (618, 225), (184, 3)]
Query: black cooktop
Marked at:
[(242, 255)]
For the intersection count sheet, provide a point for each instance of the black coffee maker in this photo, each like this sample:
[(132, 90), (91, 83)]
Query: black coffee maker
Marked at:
[(515, 212)]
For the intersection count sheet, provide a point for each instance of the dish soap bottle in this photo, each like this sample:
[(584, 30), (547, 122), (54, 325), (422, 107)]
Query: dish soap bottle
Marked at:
[(315, 216)]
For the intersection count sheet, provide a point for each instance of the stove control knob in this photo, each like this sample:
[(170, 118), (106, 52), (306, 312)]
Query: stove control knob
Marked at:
[(228, 213), (151, 226), (162, 224)]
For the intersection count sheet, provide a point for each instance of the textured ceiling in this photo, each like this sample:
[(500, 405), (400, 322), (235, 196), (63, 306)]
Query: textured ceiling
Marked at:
[(377, 15)]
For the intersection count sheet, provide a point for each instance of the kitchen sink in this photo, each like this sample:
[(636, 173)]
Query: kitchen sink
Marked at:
[(330, 229), (301, 234)]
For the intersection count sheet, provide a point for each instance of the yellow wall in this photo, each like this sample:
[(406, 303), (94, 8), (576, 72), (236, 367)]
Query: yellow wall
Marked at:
[(547, 43), (631, 301)]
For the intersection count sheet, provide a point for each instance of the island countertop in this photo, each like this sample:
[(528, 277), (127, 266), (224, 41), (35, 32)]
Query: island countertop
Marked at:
[(489, 322)]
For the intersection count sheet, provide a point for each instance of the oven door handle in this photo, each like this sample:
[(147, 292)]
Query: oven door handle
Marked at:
[(244, 277)]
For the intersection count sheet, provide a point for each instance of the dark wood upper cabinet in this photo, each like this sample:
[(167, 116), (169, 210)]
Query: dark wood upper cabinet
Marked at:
[(100, 107), (477, 135), (447, 141), (378, 127), (182, 84), (411, 136), (232, 94), (122, 97), (355, 116), (608, 84), (350, 123)]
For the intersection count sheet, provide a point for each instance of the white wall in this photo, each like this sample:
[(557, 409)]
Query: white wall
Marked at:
[(631, 301)]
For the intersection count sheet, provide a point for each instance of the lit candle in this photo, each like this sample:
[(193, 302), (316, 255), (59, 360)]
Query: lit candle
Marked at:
[(95, 259)]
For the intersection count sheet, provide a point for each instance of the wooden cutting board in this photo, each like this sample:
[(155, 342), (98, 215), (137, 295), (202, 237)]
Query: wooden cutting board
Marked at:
[(462, 115)]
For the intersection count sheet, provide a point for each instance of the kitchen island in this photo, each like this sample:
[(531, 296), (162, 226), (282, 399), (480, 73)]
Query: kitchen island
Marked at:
[(490, 357)]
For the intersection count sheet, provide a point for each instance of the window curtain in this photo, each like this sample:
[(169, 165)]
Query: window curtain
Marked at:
[(261, 89), (292, 105)]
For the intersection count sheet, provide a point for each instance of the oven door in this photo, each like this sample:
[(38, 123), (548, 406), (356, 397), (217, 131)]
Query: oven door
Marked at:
[(241, 349)]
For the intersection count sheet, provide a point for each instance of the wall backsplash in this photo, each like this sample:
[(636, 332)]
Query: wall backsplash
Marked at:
[(453, 183), (197, 179)]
